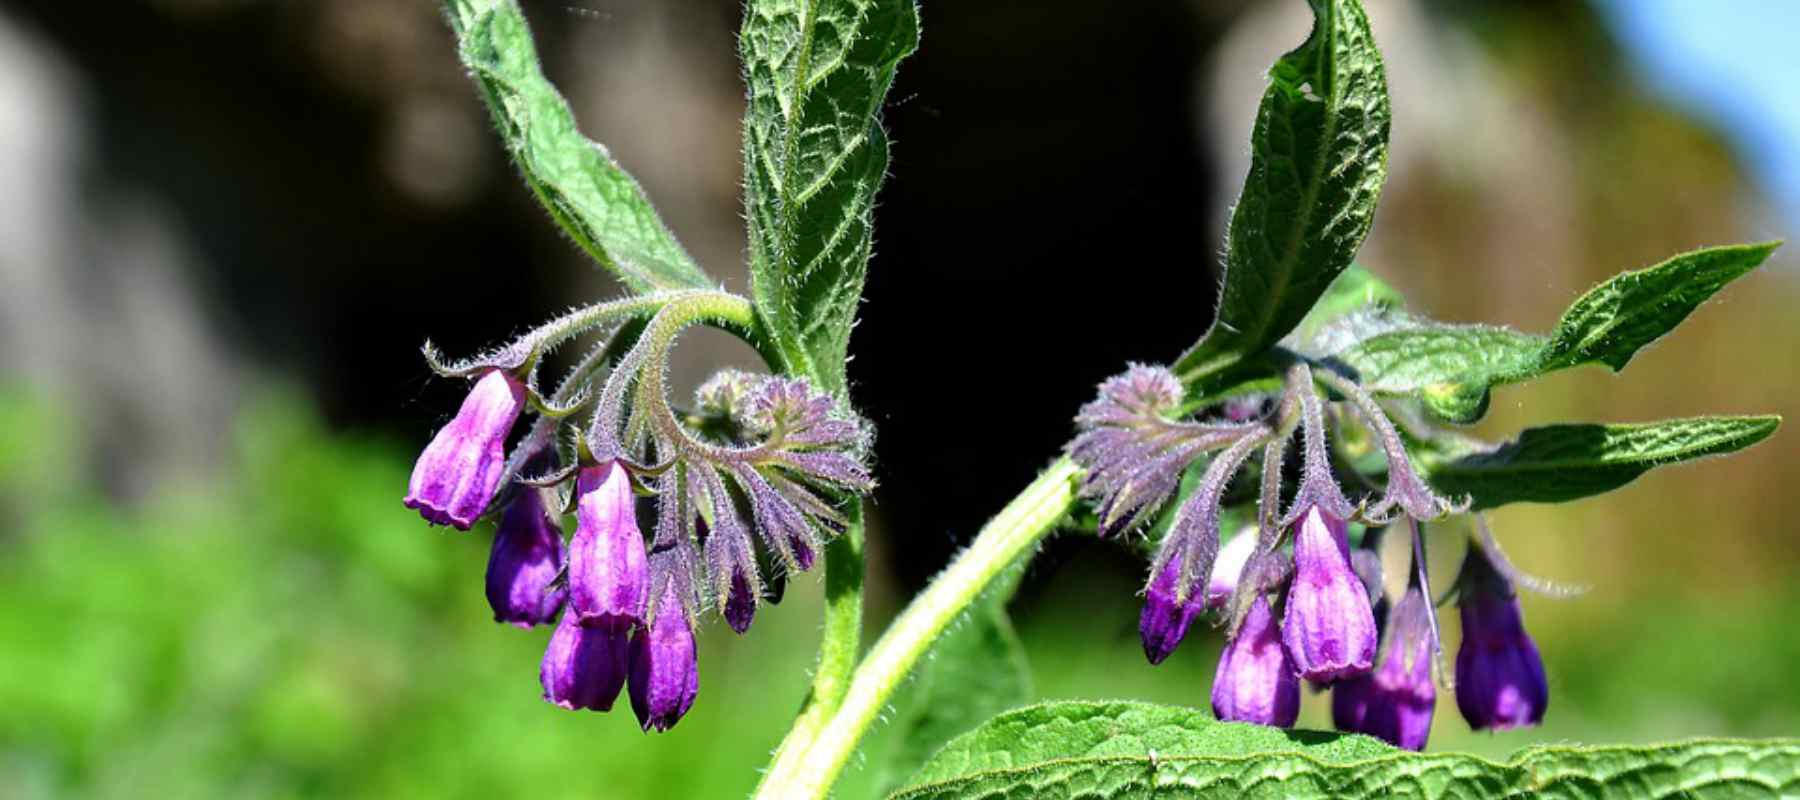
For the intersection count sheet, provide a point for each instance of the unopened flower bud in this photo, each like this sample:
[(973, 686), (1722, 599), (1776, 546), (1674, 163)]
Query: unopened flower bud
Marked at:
[(608, 568), (1395, 701), (1328, 626), (1255, 681), (527, 556), (1165, 621), (665, 675), (458, 473), (740, 603), (584, 667)]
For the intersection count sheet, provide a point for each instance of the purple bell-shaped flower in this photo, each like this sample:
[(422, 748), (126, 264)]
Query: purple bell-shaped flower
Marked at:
[(1255, 681), (665, 675), (584, 667), (608, 568), (1395, 701), (1500, 680), (528, 554), (1328, 627), (459, 472), (1165, 622)]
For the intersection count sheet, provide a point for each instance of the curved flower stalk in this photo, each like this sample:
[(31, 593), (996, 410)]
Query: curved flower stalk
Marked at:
[(745, 491), (1297, 581)]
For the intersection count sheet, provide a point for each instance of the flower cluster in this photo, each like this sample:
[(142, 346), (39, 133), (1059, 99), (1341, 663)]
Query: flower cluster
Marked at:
[(745, 490), (1297, 599)]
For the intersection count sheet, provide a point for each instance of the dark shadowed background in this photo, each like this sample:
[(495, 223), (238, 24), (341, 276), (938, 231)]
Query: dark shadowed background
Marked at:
[(228, 225)]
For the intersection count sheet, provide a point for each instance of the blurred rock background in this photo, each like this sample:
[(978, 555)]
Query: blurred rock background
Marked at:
[(229, 224)]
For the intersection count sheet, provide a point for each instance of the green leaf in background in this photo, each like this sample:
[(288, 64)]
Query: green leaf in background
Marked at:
[(975, 671), (1558, 463), (814, 155), (1355, 289), (600, 206), (1318, 160), (1117, 750), (1452, 367)]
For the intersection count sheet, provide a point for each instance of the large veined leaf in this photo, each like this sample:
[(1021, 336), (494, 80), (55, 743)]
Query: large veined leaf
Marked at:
[(1452, 367), (595, 201), (1558, 463), (814, 155), (1117, 750), (1318, 160)]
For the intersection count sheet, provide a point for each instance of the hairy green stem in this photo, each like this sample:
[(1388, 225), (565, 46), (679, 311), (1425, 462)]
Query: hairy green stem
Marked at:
[(838, 650), (809, 761)]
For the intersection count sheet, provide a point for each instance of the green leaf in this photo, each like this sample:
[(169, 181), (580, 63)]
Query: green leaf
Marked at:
[(814, 155), (1356, 289), (1449, 368), (1558, 463), (595, 201), (1318, 159), (1117, 750), (1452, 367), (976, 670)]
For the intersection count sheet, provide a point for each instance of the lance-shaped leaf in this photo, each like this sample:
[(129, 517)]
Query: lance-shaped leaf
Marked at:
[(1318, 159), (595, 201), (814, 155), (1559, 463), (1452, 367), (1113, 751)]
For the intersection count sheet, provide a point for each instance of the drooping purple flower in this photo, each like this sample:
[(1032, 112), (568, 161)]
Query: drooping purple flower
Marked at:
[(458, 473), (527, 556), (665, 675), (1329, 627), (1255, 681), (1395, 702), (1165, 621), (1499, 675), (608, 569), (1185, 562), (584, 667)]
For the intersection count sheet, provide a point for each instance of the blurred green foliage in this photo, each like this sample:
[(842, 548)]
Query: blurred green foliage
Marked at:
[(291, 631)]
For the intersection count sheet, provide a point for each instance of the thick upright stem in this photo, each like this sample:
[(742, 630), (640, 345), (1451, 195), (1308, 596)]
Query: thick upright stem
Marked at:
[(809, 761), (838, 649)]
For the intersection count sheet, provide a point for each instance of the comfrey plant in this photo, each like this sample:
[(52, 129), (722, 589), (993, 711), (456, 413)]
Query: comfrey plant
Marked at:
[(742, 497), (1263, 468)]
